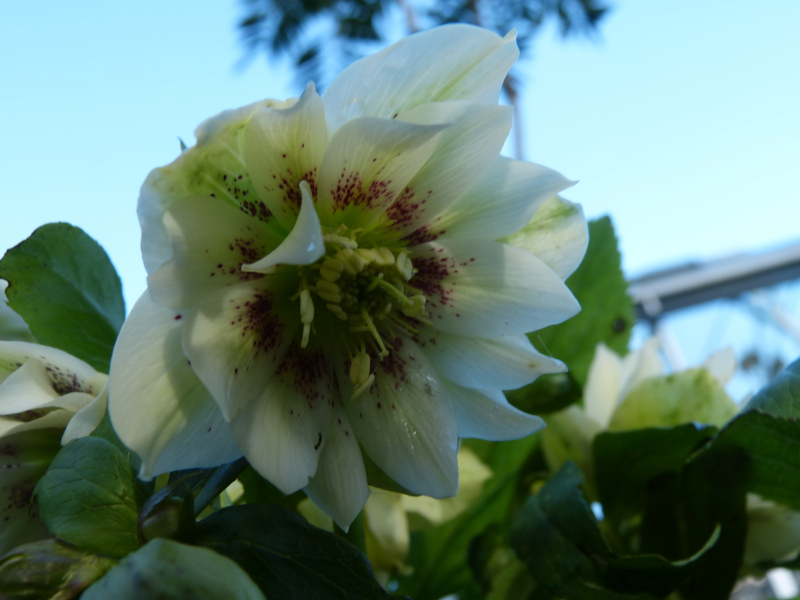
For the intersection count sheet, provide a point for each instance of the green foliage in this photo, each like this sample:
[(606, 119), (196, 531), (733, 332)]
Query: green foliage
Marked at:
[(287, 557), (606, 316), (90, 497), (165, 570), (557, 536), (781, 398), (49, 569), (62, 283)]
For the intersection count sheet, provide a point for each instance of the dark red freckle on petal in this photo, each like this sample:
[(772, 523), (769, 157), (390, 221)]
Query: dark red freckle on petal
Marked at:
[(219, 266), (177, 317), (190, 362), (209, 430), (213, 195), (319, 441), (471, 260), (232, 322), (360, 415), (284, 156), (212, 274), (340, 421), (236, 371), (239, 177), (397, 385), (291, 412), (379, 404), (347, 433), (374, 159), (224, 177)]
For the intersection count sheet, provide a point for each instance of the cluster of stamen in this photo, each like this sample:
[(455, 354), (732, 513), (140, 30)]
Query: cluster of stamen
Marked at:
[(367, 290)]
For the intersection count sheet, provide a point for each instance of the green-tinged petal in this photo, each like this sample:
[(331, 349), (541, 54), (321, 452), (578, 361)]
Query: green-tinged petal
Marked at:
[(24, 457), (210, 242), (304, 244), (339, 487), (454, 62), (367, 165), (639, 365), (282, 147), (67, 373), (214, 167), (386, 528), (558, 234), (12, 326), (285, 429), (721, 365), (568, 436), (503, 363), (157, 405), (44, 419), (602, 391), (487, 415), (405, 421), (237, 336), (484, 288), (501, 203), (667, 401), (165, 569), (465, 152), (773, 532), (86, 419)]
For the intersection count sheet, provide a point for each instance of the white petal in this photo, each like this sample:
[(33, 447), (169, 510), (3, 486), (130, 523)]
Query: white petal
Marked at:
[(367, 166), (27, 388), (339, 487), (284, 146), (86, 419), (465, 152), (210, 242), (503, 363), (558, 234), (601, 394), (215, 165), (66, 372), (506, 198), (283, 431), (157, 405), (643, 363), (47, 419), (488, 289), (12, 326), (237, 336), (721, 365), (487, 415), (454, 62), (405, 422), (304, 244)]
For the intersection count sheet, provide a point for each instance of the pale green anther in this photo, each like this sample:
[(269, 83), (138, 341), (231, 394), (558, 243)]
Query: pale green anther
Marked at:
[(337, 311), (385, 312), (404, 266), (359, 369), (369, 256), (352, 262), (340, 240), (386, 255), (329, 296), (328, 286), (360, 389), (306, 307), (416, 308)]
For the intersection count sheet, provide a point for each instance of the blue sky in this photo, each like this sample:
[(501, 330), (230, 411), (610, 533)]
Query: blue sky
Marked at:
[(681, 119)]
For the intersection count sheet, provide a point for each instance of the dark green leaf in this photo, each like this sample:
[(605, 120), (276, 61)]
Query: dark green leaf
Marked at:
[(90, 497), (627, 462), (168, 570), (64, 286), (287, 557), (49, 569), (258, 490), (606, 316), (557, 536), (781, 398)]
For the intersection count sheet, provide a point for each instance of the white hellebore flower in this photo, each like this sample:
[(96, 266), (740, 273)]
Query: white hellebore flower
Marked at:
[(324, 276), (47, 398)]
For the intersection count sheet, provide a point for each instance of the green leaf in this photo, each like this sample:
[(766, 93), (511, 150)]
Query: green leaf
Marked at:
[(62, 283), (49, 569), (781, 398), (557, 536), (167, 570), (626, 463), (90, 497), (287, 557), (606, 316), (767, 451)]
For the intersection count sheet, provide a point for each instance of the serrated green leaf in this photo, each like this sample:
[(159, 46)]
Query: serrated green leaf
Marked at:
[(49, 569), (90, 497), (606, 316), (168, 570), (781, 398), (62, 283), (287, 557)]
